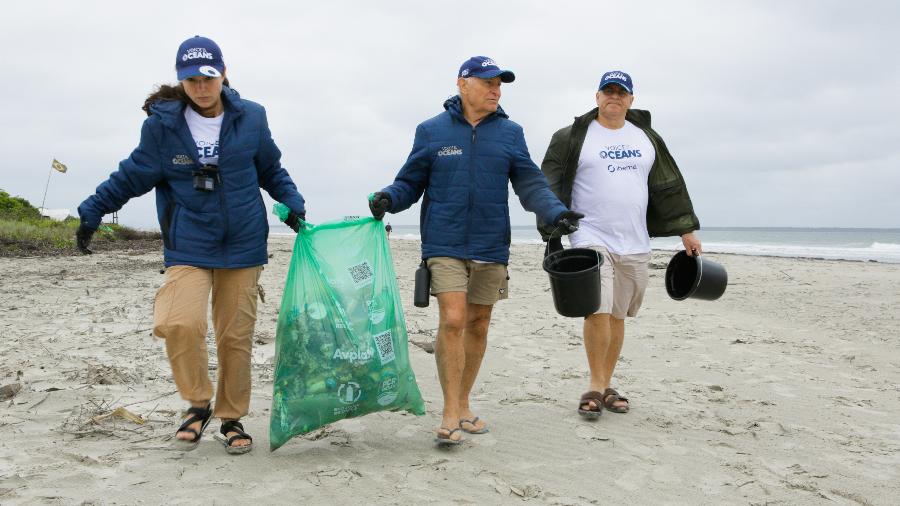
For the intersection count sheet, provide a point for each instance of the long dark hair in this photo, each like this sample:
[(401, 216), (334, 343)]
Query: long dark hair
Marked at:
[(169, 92)]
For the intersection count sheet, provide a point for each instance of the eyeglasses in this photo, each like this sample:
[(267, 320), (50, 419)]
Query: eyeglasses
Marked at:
[(614, 90)]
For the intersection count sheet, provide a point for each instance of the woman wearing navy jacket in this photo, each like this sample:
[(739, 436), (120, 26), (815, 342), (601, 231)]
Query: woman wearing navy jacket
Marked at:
[(207, 152)]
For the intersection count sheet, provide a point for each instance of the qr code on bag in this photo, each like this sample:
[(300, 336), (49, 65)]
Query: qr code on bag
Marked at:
[(384, 343), (362, 274)]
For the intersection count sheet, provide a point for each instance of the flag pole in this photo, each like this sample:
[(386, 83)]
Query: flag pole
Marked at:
[(44, 200)]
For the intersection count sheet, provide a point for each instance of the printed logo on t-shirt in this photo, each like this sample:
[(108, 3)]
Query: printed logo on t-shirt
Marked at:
[(450, 151), (206, 149), (205, 132), (620, 152)]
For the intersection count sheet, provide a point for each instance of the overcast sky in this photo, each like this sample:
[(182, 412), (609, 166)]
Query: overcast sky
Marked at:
[(778, 113)]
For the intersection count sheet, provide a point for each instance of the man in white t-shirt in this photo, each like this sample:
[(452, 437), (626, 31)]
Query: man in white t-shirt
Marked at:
[(612, 167)]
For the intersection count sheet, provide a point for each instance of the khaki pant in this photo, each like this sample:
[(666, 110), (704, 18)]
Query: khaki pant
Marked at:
[(180, 317)]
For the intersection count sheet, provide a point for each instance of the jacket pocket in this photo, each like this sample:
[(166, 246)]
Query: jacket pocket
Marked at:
[(168, 227), (508, 230), (262, 209), (423, 229), (669, 202)]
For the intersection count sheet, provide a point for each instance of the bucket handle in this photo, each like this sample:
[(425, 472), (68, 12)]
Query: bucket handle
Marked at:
[(547, 247), (699, 267)]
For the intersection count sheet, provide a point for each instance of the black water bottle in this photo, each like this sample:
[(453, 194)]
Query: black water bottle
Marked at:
[(423, 285)]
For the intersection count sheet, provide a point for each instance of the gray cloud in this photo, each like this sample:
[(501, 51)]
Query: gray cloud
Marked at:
[(779, 114)]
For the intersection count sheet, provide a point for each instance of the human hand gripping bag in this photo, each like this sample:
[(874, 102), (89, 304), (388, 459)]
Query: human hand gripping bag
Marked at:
[(341, 345)]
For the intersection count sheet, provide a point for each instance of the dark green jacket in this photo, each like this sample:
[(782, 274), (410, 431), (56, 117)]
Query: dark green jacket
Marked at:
[(669, 211)]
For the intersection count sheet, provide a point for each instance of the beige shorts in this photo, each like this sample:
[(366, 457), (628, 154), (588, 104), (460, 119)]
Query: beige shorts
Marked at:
[(623, 281), (484, 283)]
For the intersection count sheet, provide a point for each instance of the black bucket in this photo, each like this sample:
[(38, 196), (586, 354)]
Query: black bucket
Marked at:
[(575, 280), (695, 277)]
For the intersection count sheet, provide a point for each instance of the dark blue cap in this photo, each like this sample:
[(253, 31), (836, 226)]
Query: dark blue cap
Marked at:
[(199, 56), (485, 68), (617, 77)]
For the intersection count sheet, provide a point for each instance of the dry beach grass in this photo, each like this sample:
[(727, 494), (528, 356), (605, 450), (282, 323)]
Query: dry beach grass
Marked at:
[(785, 391)]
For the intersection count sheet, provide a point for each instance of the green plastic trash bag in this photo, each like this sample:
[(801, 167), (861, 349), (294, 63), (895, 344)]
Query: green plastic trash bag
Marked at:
[(340, 346)]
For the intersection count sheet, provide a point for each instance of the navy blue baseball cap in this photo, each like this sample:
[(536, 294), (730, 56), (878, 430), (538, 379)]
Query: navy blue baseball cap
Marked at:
[(485, 68), (617, 77), (199, 56)]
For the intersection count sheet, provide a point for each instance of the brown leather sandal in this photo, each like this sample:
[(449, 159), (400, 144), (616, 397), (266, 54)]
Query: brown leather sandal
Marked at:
[(610, 397), (591, 414)]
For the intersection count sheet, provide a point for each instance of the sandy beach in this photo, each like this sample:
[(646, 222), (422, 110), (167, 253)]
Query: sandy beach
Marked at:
[(785, 391)]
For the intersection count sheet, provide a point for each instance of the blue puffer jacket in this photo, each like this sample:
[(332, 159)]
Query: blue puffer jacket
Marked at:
[(464, 173), (222, 229)]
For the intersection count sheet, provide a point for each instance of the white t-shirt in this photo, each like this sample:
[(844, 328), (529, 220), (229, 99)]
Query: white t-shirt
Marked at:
[(610, 189), (205, 132)]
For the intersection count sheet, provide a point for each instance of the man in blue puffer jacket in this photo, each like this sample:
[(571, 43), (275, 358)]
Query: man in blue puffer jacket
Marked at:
[(207, 152), (463, 161)]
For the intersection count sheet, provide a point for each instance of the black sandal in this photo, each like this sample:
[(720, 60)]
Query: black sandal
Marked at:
[(234, 426), (203, 415)]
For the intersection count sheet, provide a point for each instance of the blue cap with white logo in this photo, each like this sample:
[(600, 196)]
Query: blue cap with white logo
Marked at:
[(617, 77), (485, 68), (199, 56)]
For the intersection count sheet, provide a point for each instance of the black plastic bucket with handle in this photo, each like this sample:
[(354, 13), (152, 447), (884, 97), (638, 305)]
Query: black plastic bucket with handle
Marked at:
[(574, 280), (695, 277)]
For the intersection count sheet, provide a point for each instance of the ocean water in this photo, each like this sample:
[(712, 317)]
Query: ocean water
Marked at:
[(860, 244)]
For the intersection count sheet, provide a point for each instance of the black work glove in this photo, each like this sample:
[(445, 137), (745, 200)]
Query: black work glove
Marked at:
[(553, 245), (379, 204), (83, 238), (567, 221), (294, 221)]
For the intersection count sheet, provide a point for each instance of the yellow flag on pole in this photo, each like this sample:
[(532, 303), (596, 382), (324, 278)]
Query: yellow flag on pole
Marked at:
[(59, 166)]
